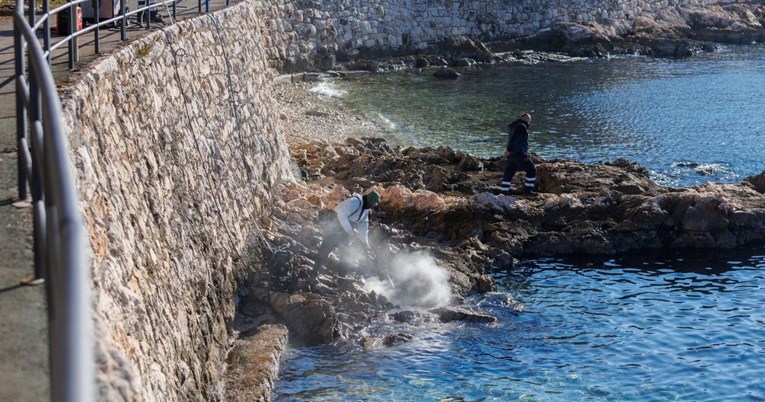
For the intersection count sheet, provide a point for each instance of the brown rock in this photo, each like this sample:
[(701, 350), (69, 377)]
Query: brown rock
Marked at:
[(758, 182), (253, 364)]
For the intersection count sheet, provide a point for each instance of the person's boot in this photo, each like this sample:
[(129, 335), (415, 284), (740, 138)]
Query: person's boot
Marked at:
[(529, 192)]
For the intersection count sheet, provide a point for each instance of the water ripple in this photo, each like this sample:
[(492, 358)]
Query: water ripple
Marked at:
[(688, 121), (586, 333)]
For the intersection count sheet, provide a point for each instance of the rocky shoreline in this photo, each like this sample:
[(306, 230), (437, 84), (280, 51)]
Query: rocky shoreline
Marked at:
[(442, 228), (676, 32)]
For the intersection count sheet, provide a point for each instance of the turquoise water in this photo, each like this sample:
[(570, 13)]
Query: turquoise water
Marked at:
[(688, 121), (634, 328)]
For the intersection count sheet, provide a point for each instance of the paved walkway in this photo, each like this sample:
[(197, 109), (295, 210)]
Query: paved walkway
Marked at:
[(24, 368)]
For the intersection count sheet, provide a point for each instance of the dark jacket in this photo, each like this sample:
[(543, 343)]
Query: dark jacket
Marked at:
[(518, 141)]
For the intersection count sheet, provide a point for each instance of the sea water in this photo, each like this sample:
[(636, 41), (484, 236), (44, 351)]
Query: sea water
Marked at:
[(672, 327), (686, 326), (688, 121)]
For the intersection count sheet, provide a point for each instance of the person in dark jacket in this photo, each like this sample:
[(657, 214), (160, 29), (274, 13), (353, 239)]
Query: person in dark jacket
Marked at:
[(517, 154)]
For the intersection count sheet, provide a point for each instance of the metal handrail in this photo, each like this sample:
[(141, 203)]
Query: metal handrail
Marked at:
[(44, 170), (44, 18), (60, 242)]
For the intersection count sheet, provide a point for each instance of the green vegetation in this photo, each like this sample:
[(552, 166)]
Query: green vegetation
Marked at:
[(144, 50)]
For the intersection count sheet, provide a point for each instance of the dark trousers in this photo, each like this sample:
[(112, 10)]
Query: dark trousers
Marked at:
[(334, 236), (514, 163)]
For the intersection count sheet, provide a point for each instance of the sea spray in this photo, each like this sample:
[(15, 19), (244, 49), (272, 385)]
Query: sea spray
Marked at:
[(411, 279), (406, 278)]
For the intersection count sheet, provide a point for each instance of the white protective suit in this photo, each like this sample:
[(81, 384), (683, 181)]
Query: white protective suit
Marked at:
[(351, 211)]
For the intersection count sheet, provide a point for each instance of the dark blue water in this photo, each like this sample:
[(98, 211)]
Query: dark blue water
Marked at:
[(688, 121), (642, 328)]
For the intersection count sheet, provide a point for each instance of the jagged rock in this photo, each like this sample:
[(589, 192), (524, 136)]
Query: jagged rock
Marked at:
[(470, 163), (370, 343), (310, 318), (463, 62), (758, 182), (449, 314), (421, 62), (406, 316), (253, 364), (393, 339), (584, 208), (673, 48), (460, 47), (485, 283), (446, 73), (561, 176)]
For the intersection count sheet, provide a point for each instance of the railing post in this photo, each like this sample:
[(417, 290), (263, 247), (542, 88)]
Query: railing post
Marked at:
[(21, 114), (46, 28), (33, 114), (73, 45), (38, 196), (98, 28), (123, 28), (147, 13), (32, 7)]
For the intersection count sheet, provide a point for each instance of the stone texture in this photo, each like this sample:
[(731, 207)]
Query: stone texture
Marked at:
[(309, 34), (176, 149), (254, 364)]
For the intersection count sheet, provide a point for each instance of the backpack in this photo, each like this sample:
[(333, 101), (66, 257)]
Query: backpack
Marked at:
[(326, 214)]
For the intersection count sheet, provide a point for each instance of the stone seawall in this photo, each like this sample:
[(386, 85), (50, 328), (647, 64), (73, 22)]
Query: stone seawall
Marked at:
[(307, 34), (176, 149)]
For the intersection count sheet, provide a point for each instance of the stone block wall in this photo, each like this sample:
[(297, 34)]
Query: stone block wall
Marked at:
[(176, 149), (306, 31)]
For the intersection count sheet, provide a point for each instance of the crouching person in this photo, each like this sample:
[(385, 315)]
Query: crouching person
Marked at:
[(339, 230)]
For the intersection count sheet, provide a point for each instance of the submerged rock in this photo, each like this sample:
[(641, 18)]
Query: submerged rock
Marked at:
[(449, 314), (446, 73)]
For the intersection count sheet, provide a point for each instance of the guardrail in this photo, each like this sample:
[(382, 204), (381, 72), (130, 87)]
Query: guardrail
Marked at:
[(44, 169), (60, 244)]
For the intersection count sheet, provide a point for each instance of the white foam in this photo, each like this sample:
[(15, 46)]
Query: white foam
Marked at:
[(328, 89), (387, 123)]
